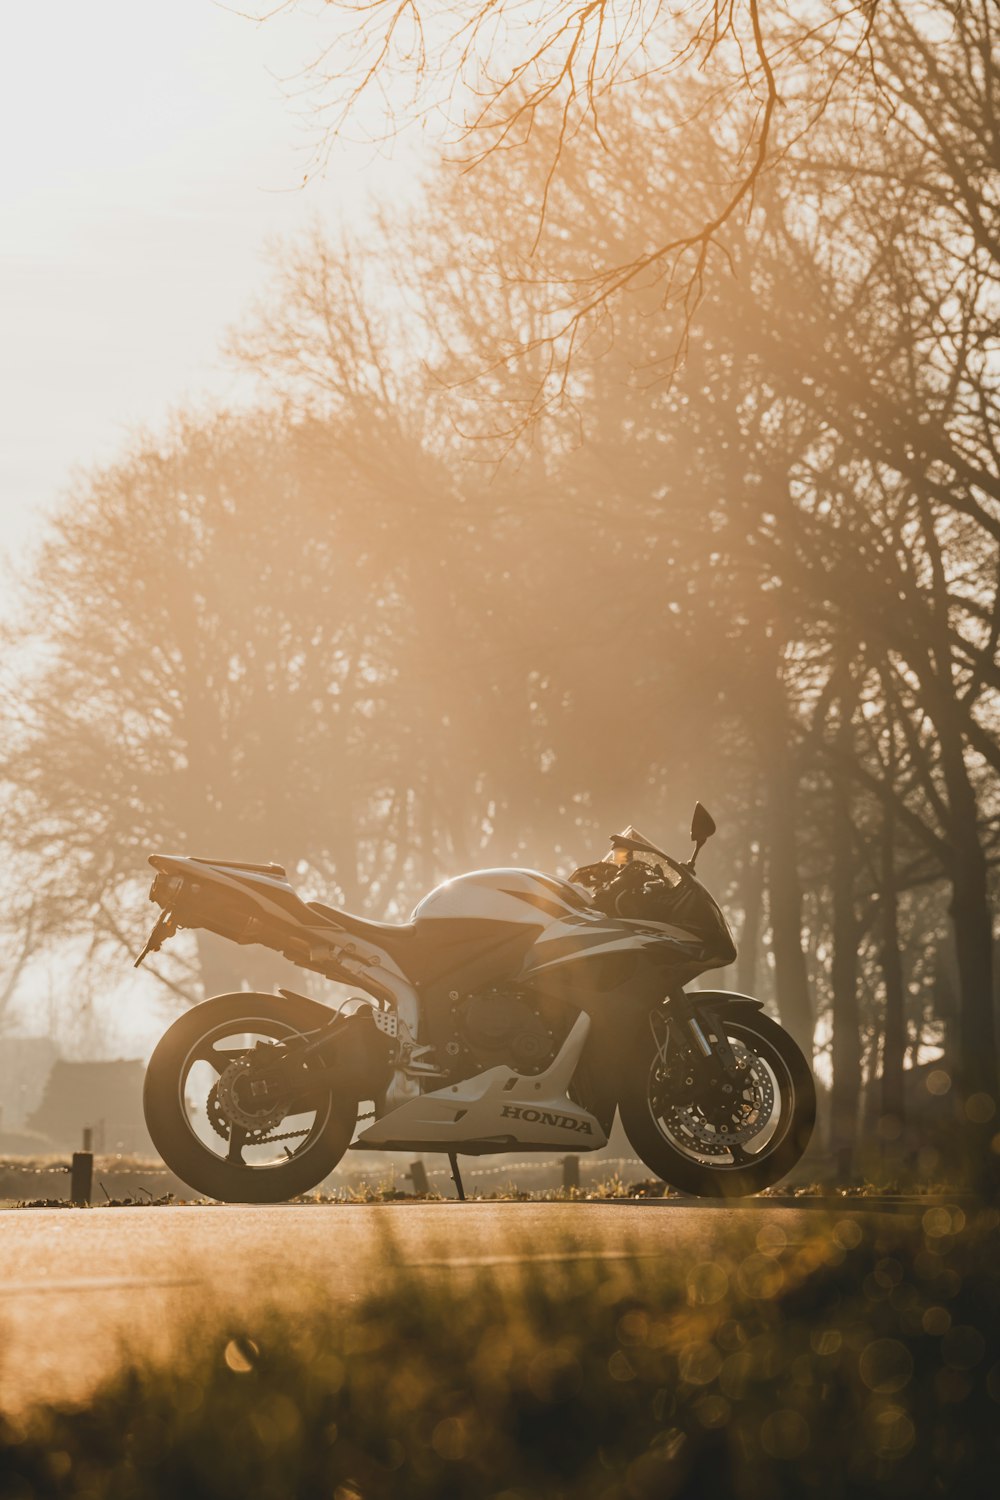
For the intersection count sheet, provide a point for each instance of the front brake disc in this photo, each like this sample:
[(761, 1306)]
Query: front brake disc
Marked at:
[(735, 1121)]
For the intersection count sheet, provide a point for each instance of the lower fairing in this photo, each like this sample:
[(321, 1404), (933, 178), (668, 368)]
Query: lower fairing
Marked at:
[(497, 1110)]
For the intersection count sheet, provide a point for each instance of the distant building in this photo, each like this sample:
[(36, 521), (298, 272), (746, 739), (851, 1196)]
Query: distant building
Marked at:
[(25, 1064), (105, 1097)]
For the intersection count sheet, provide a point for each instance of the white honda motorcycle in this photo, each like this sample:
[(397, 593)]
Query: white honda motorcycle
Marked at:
[(514, 1012)]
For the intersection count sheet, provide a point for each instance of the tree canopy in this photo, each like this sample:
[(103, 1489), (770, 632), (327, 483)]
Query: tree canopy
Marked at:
[(446, 598)]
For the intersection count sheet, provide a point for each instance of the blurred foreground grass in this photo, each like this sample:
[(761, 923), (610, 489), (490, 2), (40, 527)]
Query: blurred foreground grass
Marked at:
[(861, 1361)]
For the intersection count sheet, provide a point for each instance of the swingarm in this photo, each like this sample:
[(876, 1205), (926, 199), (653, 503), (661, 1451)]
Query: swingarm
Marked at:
[(356, 1050)]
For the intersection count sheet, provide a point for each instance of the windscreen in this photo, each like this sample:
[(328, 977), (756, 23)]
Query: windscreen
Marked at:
[(647, 857)]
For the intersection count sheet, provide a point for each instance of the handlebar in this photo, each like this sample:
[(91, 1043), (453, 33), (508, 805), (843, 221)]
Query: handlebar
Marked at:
[(636, 886)]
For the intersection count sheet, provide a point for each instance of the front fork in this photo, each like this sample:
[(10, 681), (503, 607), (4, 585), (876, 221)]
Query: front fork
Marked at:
[(693, 1027)]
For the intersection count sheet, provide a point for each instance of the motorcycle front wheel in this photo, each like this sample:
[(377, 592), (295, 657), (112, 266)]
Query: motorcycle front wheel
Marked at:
[(194, 1094), (727, 1139)]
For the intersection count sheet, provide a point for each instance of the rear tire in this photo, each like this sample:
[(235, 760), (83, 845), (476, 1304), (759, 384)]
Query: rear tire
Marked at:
[(169, 1115), (667, 1141)]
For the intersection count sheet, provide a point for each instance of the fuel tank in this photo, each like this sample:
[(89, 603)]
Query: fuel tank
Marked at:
[(524, 897)]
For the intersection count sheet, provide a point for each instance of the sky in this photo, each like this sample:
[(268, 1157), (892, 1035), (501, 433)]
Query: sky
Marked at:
[(152, 151)]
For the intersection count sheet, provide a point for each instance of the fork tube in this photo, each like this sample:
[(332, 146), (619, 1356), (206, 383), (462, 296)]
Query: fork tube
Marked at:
[(699, 1036)]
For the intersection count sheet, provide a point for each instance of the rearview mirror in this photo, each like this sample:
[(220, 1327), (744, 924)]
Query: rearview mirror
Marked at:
[(702, 828)]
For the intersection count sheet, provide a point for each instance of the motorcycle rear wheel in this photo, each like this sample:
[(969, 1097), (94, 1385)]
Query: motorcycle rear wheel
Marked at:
[(678, 1142), (178, 1091)]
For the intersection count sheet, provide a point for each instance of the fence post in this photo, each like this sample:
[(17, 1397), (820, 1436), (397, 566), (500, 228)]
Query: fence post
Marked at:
[(418, 1176), (81, 1178), (571, 1173)]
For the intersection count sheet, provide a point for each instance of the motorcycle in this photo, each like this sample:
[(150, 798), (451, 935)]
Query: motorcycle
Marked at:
[(515, 1011)]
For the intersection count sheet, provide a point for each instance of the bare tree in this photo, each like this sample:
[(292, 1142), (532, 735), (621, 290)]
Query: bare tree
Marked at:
[(497, 78), (194, 657), (19, 949)]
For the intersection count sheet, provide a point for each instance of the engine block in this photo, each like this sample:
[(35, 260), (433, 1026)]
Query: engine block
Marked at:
[(501, 1025)]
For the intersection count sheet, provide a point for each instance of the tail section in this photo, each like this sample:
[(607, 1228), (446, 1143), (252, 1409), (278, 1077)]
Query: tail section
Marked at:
[(241, 902)]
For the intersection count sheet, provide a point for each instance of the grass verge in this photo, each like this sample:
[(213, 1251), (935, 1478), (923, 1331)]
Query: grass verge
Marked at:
[(864, 1361)]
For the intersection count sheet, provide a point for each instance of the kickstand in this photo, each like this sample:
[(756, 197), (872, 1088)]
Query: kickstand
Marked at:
[(456, 1175)]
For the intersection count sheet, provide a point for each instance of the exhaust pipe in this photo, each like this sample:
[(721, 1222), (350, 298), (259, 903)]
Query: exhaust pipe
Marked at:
[(192, 904)]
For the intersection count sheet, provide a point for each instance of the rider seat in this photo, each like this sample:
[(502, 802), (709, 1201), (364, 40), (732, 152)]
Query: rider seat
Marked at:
[(393, 937), (434, 948)]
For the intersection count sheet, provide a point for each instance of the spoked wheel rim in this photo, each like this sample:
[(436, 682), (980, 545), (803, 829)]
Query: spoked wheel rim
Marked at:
[(743, 1129), (210, 1074)]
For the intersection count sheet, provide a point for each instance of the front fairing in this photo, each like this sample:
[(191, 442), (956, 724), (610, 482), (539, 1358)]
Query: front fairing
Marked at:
[(696, 910), (617, 969), (595, 950)]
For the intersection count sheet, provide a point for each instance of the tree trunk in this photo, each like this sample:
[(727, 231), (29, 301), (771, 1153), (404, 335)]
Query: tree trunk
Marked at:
[(977, 1076), (894, 1034), (344, 846), (973, 924), (753, 901), (972, 921), (846, 1049), (220, 963), (226, 966), (791, 978), (428, 836), (970, 903)]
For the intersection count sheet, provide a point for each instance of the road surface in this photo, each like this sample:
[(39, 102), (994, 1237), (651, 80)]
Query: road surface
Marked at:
[(77, 1285)]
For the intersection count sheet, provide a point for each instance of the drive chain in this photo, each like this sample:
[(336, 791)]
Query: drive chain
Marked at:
[(219, 1123), (291, 1135)]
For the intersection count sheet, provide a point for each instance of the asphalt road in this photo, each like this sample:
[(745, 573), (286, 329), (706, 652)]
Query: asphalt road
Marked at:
[(76, 1286)]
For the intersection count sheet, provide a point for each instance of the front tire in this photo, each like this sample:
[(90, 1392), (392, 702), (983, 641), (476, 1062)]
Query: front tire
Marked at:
[(677, 1140), (185, 1122)]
